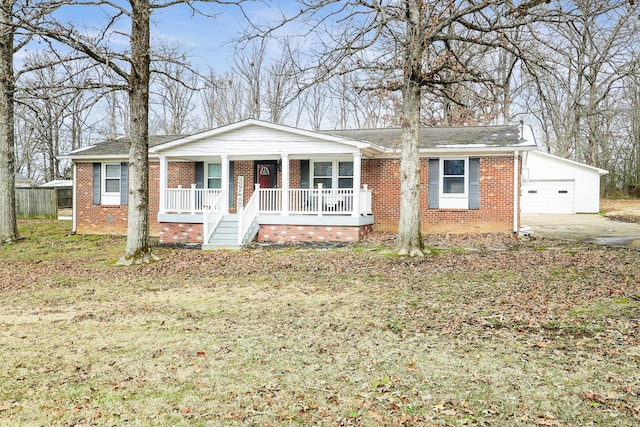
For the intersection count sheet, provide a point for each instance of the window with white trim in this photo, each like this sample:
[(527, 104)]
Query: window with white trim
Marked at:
[(333, 174), (454, 183), (454, 177), (111, 181), (214, 175), (110, 184)]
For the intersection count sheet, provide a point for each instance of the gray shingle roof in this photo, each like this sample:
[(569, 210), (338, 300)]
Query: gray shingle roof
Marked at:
[(119, 147), (497, 136)]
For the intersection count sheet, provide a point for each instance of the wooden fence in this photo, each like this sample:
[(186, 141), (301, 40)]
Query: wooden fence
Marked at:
[(36, 203)]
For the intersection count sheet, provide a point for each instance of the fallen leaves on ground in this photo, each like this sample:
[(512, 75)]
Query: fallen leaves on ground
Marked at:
[(482, 332)]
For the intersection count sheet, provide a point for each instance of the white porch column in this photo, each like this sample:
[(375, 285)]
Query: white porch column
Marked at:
[(224, 182), (164, 166), (285, 185), (357, 179)]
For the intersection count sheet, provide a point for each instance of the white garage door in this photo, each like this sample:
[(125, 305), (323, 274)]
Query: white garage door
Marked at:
[(548, 197)]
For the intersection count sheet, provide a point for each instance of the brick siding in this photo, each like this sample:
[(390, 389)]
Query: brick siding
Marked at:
[(180, 233), (311, 233), (496, 198), (381, 175)]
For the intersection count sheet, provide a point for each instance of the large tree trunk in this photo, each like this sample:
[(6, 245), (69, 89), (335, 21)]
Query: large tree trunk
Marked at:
[(138, 248), (8, 223), (409, 234)]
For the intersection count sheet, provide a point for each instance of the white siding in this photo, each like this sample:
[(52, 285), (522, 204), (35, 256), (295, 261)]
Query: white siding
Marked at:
[(257, 141), (548, 197), (544, 167)]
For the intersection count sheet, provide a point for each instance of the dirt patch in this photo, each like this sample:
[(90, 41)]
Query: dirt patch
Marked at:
[(623, 210), (631, 206)]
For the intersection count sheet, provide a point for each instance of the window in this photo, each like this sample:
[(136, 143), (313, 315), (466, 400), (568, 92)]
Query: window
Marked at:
[(454, 183), (111, 178), (454, 172), (214, 175), (322, 174), (345, 174), (110, 183), (333, 174)]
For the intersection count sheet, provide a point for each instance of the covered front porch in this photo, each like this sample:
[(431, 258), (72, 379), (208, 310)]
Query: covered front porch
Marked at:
[(271, 201), (248, 175), (306, 210)]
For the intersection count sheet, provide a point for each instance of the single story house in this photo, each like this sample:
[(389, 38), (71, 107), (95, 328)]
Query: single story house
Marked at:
[(552, 184), (274, 183)]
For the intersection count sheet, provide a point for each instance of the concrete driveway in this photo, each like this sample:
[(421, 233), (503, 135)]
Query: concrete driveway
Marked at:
[(583, 227)]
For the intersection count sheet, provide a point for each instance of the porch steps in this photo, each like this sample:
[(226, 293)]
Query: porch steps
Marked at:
[(226, 234)]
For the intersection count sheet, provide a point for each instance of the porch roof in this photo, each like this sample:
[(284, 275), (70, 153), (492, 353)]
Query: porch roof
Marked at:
[(251, 138)]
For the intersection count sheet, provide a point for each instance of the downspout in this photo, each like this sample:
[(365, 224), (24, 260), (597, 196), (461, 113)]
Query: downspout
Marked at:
[(73, 199), (516, 192)]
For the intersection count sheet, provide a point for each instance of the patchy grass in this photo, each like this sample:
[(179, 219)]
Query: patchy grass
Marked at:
[(346, 336)]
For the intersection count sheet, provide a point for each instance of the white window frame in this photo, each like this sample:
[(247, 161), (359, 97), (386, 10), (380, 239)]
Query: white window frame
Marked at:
[(454, 200), (335, 177), (207, 177), (111, 197)]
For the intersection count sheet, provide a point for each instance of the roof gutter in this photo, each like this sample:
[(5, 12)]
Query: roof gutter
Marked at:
[(478, 149), (73, 199)]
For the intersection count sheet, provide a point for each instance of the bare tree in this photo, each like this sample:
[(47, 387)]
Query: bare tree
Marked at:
[(412, 47), (53, 106), (117, 115), (249, 66), (132, 67), (173, 89), (315, 103), (576, 84), (222, 99), (8, 224), (12, 12)]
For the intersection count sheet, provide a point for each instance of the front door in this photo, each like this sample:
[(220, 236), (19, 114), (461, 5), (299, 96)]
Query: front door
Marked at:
[(266, 172)]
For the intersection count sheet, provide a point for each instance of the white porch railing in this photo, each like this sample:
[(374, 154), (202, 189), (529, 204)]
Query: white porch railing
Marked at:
[(189, 200), (366, 197), (270, 200), (318, 201), (212, 215), (247, 215)]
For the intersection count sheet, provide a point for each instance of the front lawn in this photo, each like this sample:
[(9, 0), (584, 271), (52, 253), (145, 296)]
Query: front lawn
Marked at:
[(538, 333)]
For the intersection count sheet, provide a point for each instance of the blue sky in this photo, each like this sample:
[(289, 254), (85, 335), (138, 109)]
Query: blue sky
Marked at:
[(206, 40)]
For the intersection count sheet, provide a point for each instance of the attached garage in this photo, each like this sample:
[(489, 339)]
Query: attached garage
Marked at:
[(549, 196), (551, 184)]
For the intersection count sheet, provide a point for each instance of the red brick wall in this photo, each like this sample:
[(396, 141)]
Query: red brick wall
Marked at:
[(381, 175), (496, 198), (181, 174), (180, 233), (311, 233), (383, 179), (294, 173), (243, 168), (110, 219)]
